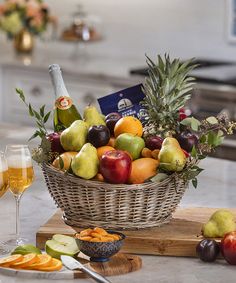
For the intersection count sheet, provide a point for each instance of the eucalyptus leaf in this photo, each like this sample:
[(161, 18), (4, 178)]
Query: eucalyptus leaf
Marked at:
[(195, 124), (194, 182), (201, 156), (36, 114), (31, 110), (194, 152), (215, 138), (212, 120), (42, 111), (186, 122), (45, 119), (203, 139), (21, 94), (36, 134)]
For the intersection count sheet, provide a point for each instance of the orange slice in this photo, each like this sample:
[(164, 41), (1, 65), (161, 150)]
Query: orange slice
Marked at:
[(26, 261), (55, 265), (6, 261), (44, 260)]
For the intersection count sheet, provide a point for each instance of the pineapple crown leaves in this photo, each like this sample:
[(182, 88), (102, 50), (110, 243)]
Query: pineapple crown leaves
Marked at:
[(167, 89)]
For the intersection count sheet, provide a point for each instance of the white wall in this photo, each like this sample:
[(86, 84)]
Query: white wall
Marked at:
[(131, 28)]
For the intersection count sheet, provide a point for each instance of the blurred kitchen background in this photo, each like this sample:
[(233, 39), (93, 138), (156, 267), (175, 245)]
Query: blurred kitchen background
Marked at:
[(101, 47)]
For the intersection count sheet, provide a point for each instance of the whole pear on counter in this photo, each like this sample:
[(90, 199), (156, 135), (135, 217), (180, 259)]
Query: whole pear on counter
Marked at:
[(92, 117), (85, 163), (220, 223), (171, 156), (74, 137)]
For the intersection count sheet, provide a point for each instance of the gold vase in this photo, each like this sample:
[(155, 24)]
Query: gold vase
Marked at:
[(24, 42)]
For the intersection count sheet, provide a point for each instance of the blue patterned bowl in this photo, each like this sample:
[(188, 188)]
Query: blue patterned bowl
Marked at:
[(100, 251)]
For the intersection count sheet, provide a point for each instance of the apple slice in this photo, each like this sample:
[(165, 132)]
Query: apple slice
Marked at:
[(61, 245), (26, 249)]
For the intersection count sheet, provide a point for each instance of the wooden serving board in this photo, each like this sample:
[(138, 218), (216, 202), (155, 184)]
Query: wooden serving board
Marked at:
[(118, 264), (178, 238)]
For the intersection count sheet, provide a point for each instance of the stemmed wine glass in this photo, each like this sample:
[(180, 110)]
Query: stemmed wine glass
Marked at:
[(3, 189), (21, 176)]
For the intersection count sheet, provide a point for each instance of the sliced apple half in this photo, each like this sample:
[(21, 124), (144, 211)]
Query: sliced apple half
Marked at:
[(61, 245)]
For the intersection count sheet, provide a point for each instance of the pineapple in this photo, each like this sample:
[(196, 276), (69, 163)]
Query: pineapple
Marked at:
[(167, 89)]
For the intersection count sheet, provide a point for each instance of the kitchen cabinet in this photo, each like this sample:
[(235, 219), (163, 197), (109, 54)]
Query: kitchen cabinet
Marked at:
[(210, 100), (38, 90)]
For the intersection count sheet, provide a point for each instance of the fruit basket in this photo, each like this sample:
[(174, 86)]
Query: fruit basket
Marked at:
[(88, 203), (141, 179)]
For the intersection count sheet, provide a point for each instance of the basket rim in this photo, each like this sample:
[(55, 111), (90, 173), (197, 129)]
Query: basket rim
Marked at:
[(98, 184)]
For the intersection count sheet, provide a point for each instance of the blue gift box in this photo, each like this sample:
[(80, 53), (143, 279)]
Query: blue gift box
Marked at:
[(126, 102)]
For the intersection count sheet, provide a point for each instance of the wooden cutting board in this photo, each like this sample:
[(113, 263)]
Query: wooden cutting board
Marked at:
[(118, 264), (178, 238)]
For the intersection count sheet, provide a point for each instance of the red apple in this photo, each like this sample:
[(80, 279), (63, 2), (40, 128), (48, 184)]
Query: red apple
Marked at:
[(115, 166), (228, 247), (54, 139)]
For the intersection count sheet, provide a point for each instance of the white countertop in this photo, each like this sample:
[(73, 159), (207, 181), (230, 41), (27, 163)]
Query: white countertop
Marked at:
[(216, 189)]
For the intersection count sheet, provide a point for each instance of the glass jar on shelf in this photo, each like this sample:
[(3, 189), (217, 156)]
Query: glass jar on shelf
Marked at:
[(83, 29)]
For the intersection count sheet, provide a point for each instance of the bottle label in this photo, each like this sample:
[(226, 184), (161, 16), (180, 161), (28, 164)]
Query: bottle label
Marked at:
[(63, 102)]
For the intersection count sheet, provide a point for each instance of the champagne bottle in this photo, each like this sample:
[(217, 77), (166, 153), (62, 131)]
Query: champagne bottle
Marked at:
[(65, 112)]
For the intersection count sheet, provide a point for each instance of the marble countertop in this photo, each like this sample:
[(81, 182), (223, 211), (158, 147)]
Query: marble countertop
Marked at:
[(216, 189)]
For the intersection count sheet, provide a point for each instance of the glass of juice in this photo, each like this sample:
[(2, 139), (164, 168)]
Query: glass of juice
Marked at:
[(3, 189), (21, 176), (3, 174)]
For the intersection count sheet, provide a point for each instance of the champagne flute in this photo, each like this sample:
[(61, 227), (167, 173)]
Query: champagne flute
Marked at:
[(3, 174), (3, 189), (21, 176)]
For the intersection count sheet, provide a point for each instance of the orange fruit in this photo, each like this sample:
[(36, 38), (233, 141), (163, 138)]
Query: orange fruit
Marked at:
[(7, 261), (55, 265), (128, 124), (98, 177), (27, 260), (66, 157), (143, 169), (44, 260), (111, 142), (103, 149), (146, 152), (155, 153)]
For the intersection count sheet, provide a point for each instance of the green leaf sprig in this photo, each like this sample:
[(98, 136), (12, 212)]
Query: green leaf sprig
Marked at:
[(211, 132), (40, 116)]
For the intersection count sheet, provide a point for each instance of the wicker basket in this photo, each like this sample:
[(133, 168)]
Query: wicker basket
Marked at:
[(91, 203)]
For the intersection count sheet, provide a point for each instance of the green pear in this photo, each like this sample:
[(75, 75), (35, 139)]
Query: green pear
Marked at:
[(85, 163), (220, 223), (92, 117), (103, 117), (74, 137), (171, 156)]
